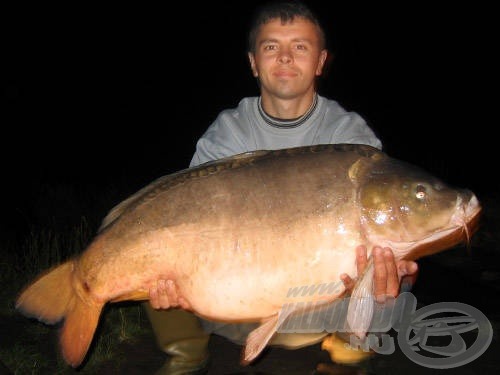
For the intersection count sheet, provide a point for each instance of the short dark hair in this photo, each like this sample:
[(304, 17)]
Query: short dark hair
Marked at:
[(286, 10)]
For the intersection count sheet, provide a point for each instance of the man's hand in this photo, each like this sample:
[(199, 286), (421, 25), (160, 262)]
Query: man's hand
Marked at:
[(164, 295), (389, 276)]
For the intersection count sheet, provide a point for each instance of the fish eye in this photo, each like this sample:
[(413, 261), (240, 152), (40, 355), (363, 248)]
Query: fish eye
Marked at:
[(420, 192)]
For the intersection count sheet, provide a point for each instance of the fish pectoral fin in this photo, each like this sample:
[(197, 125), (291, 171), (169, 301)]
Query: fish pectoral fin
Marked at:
[(78, 330), (258, 339), (361, 303)]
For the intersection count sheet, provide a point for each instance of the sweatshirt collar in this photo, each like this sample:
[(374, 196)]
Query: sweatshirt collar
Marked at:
[(288, 123)]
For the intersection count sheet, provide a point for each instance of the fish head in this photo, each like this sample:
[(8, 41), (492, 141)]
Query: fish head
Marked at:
[(413, 212)]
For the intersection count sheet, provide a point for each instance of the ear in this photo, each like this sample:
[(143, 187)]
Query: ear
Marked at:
[(251, 59), (321, 63)]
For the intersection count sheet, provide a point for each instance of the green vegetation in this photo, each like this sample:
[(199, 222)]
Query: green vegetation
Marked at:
[(30, 347)]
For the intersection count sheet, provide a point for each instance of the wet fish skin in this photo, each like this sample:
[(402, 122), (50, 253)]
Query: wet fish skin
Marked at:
[(236, 234)]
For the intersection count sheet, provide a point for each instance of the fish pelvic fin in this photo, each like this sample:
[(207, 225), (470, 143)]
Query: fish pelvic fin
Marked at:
[(361, 303), (47, 298), (258, 339), (78, 330)]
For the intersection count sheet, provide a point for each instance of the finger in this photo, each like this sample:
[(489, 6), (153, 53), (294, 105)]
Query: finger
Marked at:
[(380, 274), (361, 259), (392, 288), (406, 283), (172, 293), (408, 272), (163, 297), (348, 282), (407, 267), (153, 298)]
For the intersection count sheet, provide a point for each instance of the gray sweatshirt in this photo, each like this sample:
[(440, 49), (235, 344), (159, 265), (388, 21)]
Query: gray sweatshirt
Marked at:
[(248, 128)]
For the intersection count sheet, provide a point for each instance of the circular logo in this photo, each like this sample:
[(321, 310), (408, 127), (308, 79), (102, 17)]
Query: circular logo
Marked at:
[(416, 333)]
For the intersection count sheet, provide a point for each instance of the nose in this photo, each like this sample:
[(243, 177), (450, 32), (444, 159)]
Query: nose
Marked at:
[(285, 57)]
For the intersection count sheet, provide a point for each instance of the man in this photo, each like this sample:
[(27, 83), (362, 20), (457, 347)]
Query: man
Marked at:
[(287, 52)]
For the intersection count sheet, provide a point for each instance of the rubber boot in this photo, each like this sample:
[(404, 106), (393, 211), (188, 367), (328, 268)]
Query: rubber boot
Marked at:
[(180, 335), (337, 345)]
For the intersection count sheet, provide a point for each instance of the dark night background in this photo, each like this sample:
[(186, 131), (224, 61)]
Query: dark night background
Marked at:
[(94, 96), (99, 100)]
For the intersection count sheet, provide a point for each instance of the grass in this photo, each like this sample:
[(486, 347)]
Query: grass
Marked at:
[(36, 351), (30, 347)]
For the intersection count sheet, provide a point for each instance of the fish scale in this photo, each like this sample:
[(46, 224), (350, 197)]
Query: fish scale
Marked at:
[(235, 235)]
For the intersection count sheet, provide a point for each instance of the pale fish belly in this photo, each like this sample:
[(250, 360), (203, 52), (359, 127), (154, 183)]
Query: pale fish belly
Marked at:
[(239, 276)]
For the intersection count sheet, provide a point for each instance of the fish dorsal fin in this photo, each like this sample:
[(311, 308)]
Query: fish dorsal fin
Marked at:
[(120, 208), (361, 303), (258, 339), (151, 191)]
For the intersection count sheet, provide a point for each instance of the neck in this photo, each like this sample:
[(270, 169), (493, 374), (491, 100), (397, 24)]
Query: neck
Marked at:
[(287, 109), (287, 123)]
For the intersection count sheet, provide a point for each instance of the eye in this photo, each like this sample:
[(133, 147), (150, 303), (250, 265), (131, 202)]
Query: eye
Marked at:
[(420, 192), (270, 47)]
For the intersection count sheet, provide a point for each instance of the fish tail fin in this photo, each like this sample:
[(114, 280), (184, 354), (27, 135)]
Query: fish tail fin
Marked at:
[(78, 329), (51, 298), (47, 298)]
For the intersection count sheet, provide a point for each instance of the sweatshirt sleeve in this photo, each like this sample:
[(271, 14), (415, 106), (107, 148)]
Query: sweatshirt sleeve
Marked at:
[(353, 129)]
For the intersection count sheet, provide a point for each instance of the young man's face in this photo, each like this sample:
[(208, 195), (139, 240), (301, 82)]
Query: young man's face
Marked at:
[(287, 58)]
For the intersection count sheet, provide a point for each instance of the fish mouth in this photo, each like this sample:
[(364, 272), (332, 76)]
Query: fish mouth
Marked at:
[(466, 225)]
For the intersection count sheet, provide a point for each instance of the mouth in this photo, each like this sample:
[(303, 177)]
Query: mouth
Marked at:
[(466, 225), (285, 73)]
